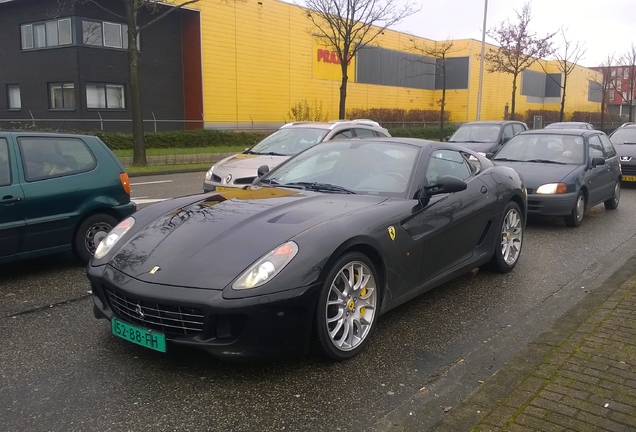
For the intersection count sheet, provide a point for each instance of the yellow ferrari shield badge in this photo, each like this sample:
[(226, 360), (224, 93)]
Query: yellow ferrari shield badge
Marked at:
[(155, 269), (392, 233)]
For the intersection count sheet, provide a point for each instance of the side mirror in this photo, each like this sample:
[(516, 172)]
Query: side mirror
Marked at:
[(446, 184), (489, 155), (598, 161), (446, 139), (262, 170)]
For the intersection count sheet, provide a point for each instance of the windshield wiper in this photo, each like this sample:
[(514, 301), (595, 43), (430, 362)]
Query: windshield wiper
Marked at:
[(270, 181), (321, 187), (546, 161), (507, 160)]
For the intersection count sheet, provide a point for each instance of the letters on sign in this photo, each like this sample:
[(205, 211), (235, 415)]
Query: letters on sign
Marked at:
[(331, 57)]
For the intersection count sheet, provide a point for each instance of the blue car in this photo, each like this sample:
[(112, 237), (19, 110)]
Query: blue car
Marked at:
[(566, 171)]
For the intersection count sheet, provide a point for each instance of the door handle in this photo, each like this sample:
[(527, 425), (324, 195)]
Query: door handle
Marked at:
[(9, 199), (483, 189)]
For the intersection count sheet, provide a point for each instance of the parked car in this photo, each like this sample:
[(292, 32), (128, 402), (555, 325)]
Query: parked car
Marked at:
[(487, 137), (566, 171), (624, 140), (570, 125), (292, 138), (58, 193), (313, 252)]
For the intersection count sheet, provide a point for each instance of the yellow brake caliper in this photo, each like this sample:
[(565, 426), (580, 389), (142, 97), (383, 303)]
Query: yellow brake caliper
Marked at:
[(363, 292)]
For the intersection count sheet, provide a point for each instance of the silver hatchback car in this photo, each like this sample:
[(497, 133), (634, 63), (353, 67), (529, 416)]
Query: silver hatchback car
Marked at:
[(292, 138)]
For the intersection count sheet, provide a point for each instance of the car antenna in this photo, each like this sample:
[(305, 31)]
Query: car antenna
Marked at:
[(60, 126)]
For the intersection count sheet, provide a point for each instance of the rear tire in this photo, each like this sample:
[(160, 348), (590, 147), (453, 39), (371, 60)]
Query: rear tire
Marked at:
[(612, 203), (91, 231), (508, 249), (348, 307), (575, 218)]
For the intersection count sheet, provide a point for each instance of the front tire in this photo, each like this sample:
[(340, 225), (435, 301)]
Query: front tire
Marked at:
[(508, 250), (347, 308), (91, 231), (575, 218), (612, 203)]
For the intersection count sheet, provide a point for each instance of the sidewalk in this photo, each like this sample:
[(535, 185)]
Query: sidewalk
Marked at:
[(578, 376)]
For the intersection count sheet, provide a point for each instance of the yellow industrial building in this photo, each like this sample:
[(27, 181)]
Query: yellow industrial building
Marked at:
[(261, 57)]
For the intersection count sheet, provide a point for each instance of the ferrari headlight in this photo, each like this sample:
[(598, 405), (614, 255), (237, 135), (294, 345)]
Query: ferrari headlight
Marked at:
[(113, 237), (267, 267), (208, 175), (552, 188)]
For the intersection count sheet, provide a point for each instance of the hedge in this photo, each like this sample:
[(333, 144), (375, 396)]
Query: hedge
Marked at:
[(184, 139), (211, 138)]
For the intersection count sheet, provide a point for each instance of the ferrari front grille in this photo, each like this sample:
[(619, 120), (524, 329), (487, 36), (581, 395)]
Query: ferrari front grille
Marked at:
[(169, 319)]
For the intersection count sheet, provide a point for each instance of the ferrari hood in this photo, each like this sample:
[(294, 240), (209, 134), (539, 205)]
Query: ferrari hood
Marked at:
[(536, 174), (208, 243)]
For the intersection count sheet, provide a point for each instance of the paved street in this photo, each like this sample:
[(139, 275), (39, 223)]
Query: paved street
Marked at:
[(63, 370)]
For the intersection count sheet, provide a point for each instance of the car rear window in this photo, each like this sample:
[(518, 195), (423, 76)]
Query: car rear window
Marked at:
[(48, 157)]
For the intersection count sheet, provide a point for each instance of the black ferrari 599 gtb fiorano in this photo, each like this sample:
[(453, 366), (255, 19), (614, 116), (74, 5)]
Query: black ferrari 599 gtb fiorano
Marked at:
[(313, 252)]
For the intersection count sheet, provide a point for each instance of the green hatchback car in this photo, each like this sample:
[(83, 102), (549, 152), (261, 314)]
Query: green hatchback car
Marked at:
[(58, 193)]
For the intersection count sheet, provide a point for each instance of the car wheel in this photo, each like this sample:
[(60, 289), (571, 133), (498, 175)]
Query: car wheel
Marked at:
[(612, 203), (91, 231), (575, 218), (347, 307), (508, 250)]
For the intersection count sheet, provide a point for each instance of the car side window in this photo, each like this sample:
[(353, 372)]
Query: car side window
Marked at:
[(49, 157), (5, 168), (364, 133), (517, 128), (446, 162), (596, 148), (507, 133), (344, 134), (607, 146)]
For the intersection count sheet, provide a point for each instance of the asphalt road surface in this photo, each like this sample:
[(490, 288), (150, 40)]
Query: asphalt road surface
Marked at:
[(62, 370)]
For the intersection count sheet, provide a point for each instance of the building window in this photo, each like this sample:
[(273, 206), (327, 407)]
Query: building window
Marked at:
[(13, 93), (47, 34), (106, 34), (62, 96), (105, 96)]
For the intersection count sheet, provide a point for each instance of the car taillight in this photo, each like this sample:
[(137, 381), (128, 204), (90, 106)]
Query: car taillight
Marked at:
[(125, 182)]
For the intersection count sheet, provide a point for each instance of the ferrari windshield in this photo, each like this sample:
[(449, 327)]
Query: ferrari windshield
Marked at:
[(372, 167), (287, 142), (624, 136), (476, 133), (543, 148)]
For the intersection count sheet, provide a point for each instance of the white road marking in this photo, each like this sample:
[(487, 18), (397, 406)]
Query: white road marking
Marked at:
[(147, 201), (152, 182)]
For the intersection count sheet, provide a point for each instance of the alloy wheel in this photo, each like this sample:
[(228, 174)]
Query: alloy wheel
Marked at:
[(511, 236), (351, 304)]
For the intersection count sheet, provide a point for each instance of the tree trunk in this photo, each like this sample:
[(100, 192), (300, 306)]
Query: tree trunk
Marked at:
[(139, 148), (443, 104), (514, 96), (562, 112), (343, 90)]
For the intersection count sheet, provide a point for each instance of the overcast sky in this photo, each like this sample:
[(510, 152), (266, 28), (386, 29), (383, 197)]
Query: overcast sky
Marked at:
[(605, 27)]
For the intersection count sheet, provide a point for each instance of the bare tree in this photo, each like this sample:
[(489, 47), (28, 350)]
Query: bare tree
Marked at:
[(567, 58), (518, 48), (347, 26), (158, 10), (604, 84), (627, 62), (438, 52)]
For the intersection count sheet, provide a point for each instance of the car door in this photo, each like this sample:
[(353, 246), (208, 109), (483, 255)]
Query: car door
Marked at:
[(452, 224), (55, 188), (599, 178), (11, 201)]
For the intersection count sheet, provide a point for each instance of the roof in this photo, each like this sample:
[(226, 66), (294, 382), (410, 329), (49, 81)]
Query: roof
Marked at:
[(333, 124), (576, 132), (494, 122)]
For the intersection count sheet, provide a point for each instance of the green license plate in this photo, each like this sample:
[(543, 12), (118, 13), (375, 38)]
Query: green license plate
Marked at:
[(629, 178), (146, 338)]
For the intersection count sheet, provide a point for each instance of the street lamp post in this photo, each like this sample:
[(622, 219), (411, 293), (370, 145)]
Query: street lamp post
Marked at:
[(481, 62)]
